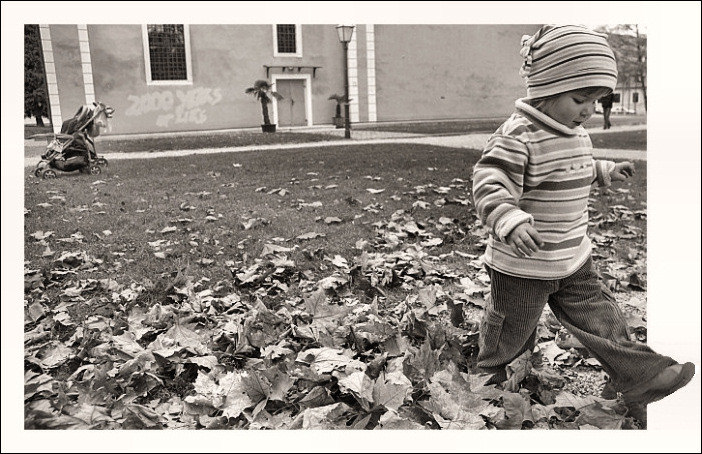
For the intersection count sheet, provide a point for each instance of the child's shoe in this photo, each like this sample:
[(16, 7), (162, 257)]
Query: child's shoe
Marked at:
[(665, 383)]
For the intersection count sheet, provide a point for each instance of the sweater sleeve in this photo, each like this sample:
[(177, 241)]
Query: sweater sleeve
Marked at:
[(498, 182), (601, 172)]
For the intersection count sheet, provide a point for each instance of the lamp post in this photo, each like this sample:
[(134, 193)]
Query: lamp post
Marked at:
[(345, 33)]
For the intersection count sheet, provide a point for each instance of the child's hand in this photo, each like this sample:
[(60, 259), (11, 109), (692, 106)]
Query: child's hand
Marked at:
[(524, 240), (622, 171)]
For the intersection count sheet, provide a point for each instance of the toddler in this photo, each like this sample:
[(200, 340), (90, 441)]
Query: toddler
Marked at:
[(531, 188)]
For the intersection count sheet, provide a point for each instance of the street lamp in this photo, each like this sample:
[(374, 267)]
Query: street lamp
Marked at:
[(345, 33)]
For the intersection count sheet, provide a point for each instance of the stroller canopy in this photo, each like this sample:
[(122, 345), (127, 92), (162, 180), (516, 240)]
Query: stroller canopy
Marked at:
[(84, 116)]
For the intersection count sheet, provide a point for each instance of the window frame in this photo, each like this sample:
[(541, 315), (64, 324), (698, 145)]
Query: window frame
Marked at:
[(298, 42), (188, 59)]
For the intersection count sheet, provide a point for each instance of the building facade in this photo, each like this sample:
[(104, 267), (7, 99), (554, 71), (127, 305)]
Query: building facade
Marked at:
[(629, 97), (180, 77)]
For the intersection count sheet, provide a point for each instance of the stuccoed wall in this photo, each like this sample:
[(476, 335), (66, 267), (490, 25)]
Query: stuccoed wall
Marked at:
[(448, 71), (423, 72), (64, 41), (226, 59)]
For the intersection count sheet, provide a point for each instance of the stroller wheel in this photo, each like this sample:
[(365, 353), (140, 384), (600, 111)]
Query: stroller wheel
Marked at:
[(37, 172), (48, 174), (95, 169)]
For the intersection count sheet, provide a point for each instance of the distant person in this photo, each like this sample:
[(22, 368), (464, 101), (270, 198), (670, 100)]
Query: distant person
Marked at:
[(531, 188), (607, 102)]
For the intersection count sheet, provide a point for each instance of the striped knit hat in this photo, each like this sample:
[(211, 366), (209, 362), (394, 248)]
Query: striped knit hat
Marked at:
[(561, 58)]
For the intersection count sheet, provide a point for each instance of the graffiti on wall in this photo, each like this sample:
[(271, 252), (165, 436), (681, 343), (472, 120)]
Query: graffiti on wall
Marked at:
[(175, 106)]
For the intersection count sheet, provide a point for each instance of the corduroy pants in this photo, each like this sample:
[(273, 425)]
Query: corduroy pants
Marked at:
[(586, 309)]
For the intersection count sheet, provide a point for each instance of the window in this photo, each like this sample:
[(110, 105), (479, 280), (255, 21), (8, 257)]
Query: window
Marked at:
[(287, 40), (167, 53), (617, 97), (635, 96)]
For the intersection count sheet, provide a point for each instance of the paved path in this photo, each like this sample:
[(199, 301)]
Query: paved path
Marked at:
[(360, 137)]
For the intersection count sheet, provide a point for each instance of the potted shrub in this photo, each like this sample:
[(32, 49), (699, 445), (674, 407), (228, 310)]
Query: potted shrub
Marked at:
[(338, 119), (263, 91)]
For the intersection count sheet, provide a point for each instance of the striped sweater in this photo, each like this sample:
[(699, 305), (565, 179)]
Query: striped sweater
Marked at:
[(536, 170)]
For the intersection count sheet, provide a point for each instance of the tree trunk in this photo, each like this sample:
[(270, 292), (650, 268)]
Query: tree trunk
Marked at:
[(266, 118), (641, 68), (40, 120)]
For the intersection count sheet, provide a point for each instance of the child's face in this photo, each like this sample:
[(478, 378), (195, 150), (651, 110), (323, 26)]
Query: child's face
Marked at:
[(572, 108)]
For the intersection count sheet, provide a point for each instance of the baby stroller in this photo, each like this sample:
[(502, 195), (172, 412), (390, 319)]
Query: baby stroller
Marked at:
[(74, 148)]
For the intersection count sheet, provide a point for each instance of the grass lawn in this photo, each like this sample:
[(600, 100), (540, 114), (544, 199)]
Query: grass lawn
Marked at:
[(160, 280), (30, 130), (438, 127), (278, 195), (207, 140), (625, 140), (483, 125), (244, 138), (144, 195)]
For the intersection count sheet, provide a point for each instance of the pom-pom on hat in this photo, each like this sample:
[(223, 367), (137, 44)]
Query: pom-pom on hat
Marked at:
[(561, 58)]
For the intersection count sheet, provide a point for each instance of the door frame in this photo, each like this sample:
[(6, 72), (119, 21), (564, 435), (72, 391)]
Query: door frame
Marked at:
[(308, 95)]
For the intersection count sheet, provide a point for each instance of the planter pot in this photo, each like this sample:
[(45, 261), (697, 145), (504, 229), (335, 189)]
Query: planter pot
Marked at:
[(338, 122), (268, 128)]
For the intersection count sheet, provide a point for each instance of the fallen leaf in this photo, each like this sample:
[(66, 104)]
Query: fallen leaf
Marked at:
[(360, 386), (310, 236), (566, 399), (332, 416), (391, 421), (391, 390), (326, 360), (57, 356), (600, 416)]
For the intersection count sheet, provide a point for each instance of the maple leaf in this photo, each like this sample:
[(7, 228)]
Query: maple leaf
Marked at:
[(57, 356), (176, 338), (423, 363), (326, 360), (566, 399), (265, 420), (332, 282), (332, 416), (391, 421), (36, 383), (127, 342), (340, 262), (517, 411), (318, 397), (137, 416), (552, 352), (275, 351), (517, 371), (391, 390), (36, 311), (452, 404), (600, 415), (360, 386), (270, 384), (88, 415), (273, 249), (207, 361), (229, 395)]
